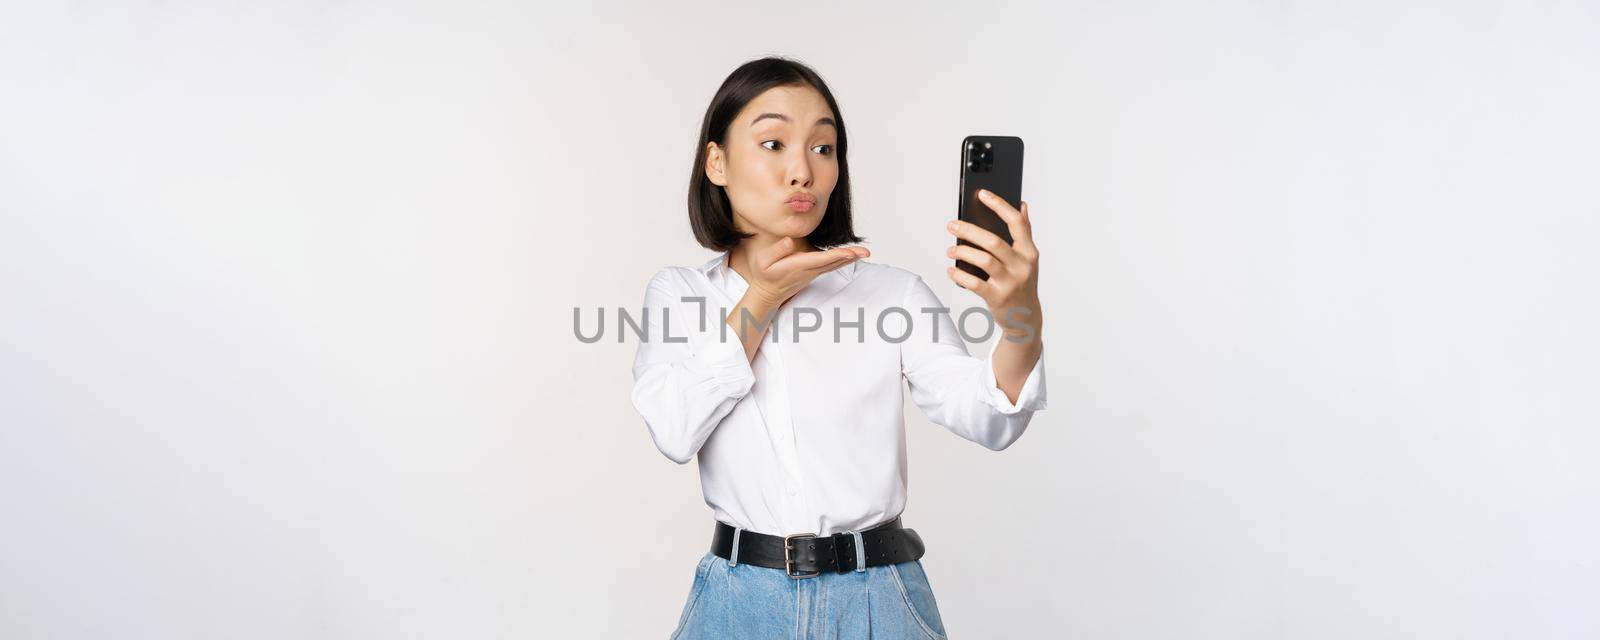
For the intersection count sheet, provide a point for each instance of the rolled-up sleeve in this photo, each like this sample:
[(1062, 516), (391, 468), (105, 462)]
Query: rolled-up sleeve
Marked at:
[(687, 373), (957, 390)]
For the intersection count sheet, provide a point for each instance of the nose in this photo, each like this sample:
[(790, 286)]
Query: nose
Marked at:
[(800, 172)]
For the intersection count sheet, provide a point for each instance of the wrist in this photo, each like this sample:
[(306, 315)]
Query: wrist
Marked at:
[(1019, 323), (756, 305), (761, 299)]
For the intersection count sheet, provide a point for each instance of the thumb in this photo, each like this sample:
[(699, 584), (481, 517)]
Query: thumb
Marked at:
[(777, 251)]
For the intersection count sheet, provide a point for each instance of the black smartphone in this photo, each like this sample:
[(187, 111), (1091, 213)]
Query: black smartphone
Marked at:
[(993, 163)]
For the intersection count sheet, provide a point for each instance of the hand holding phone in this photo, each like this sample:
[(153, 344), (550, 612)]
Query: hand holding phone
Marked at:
[(992, 163), (995, 255)]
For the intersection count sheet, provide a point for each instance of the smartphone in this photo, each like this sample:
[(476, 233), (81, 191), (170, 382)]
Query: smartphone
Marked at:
[(993, 163)]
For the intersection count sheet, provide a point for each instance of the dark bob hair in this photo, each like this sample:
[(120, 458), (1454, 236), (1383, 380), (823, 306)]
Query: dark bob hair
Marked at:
[(710, 212)]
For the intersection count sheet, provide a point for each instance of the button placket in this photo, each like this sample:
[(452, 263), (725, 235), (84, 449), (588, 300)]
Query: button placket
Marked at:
[(782, 419), (775, 405)]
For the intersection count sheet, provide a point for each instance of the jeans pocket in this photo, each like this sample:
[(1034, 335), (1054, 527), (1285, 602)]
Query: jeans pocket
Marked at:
[(695, 589), (912, 582)]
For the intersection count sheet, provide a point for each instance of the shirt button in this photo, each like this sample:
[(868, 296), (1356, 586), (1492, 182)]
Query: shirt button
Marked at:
[(791, 491)]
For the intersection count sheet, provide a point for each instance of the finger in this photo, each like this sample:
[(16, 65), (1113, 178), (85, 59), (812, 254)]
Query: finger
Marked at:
[(822, 259), (968, 281), (847, 256), (978, 258), (1016, 220), (859, 252), (1022, 234), (983, 238), (836, 264)]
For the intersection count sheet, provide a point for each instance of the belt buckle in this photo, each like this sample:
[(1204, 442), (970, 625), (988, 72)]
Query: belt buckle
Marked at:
[(788, 562)]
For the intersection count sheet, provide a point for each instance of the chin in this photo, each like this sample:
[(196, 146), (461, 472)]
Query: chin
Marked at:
[(800, 231), (798, 225)]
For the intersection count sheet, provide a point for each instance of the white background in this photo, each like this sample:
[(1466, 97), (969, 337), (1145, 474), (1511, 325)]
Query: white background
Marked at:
[(286, 294)]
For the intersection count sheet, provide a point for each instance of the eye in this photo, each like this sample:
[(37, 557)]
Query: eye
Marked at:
[(829, 147)]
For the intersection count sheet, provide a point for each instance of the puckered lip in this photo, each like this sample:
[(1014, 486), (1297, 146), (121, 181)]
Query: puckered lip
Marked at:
[(801, 196)]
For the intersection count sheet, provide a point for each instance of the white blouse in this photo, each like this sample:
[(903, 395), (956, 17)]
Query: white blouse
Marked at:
[(809, 437)]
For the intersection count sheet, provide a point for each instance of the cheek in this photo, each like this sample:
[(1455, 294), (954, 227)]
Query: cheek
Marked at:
[(757, 179), (824, 181), (751, 179)]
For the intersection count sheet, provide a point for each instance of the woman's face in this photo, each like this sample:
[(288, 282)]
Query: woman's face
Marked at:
[(781, 144)]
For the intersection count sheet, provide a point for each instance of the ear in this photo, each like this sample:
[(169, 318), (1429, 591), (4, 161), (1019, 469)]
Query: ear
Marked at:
[(715, 162)]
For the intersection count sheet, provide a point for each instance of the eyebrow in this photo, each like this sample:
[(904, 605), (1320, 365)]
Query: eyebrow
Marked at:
[(779, 116)]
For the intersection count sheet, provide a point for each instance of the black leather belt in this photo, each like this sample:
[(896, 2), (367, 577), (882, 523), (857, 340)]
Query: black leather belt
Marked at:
[(806, 555)]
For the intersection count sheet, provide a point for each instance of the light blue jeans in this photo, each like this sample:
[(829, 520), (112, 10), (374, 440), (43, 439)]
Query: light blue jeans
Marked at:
[(747, 602)]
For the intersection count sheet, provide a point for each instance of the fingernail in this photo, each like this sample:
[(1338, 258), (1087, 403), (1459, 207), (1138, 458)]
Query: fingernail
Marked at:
[(983, 193), (952, 225)]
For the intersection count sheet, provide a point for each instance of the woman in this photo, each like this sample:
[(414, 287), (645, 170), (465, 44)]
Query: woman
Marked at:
[(797, 423)]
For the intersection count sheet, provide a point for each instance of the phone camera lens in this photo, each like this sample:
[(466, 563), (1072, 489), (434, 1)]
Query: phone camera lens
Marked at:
[(979, 158)]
